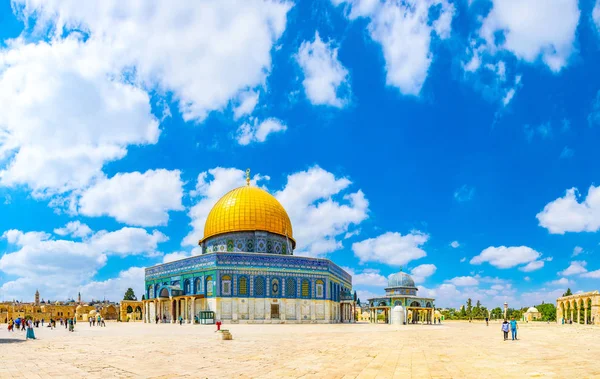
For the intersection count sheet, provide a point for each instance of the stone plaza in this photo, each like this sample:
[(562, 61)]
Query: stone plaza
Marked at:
[(450, 350)]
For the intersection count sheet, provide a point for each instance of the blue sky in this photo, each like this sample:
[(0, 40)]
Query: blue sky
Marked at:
[(454, 139)]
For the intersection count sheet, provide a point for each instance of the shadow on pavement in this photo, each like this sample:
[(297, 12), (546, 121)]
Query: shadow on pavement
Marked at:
[(10, 340)]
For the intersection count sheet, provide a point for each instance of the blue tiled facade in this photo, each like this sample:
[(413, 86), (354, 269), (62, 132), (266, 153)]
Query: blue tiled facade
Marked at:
[(262, 275)]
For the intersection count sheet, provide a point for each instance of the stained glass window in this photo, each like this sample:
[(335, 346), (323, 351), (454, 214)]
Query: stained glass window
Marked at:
[(209, 286), (226, 285), (259, 286), (275, 287), (305, 288), (243, 290), (290, 287), (319, 288)]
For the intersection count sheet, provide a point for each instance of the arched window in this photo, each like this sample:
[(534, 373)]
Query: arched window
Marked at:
[(319, 288), (150, 291), (415, 304), (428, 305), (164, 292), (243, 286), (226, 285), (274, 287), (305, 288), (290, 287), (187, 287), (129, 309), (259, 286), (198, 285), (209, 286), (156, 287)]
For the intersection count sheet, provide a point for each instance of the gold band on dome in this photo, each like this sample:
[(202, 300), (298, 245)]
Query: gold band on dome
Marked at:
[(248, 208)]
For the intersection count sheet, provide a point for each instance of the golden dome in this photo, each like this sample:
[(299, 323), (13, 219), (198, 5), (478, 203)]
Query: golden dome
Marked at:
[(248, 209)]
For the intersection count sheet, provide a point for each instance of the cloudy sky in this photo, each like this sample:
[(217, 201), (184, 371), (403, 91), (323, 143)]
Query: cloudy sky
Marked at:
[(452, 139)]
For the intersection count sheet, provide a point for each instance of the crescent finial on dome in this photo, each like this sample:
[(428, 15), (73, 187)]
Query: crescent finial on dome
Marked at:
[(247, 176)]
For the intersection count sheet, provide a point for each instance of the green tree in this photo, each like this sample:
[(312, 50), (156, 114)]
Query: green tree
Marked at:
[(469, 308), (568, 293), (497, 313), (548, 311), (129, 295)]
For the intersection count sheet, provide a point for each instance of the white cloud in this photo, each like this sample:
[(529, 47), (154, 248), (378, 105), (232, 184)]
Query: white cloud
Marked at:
[(464, 281), (175, 256), (135, 198), (325, 78), (464, 193), (506, 257), (258, 132), (592, 274), (566, 214), (561, 282), (62, 118), (59, 267), (463, 259), (391, 248), (114, 288), (596, 14), (223, 47), (567, 153), (576, 251), (576, 267), (594, 116), (317, 219), (368, 277), (404, 30), (247, 103), (422, 272), (75, 229), (455, 244), (524, 26), (532, 266), (127, 241)]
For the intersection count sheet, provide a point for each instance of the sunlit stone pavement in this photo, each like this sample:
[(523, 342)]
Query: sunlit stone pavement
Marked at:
[(452, 350)]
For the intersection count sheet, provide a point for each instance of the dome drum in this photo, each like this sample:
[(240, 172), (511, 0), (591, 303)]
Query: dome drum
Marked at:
[(248, 242)]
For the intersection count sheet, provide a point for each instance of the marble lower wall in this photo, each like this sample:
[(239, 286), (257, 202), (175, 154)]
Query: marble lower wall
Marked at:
[(265, 310)]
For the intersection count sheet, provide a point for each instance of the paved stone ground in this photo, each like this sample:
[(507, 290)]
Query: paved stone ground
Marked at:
[(452, 350)]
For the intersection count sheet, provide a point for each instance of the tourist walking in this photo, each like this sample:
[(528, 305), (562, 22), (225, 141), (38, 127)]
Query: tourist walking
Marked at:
[(180, 320), (42, 323), (71, 325), (23, 326), (505, 327), (30, 335), (157, 319), (513, 328), (11, 325), (487, 322)]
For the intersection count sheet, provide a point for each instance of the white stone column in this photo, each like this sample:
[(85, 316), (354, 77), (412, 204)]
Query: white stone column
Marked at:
[(585, 315), (193, 310)]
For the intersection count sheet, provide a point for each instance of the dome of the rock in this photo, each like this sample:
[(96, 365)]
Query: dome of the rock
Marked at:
[(248, 208)]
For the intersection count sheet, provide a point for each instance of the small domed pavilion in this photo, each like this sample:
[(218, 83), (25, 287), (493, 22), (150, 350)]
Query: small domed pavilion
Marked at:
[(401, 291)]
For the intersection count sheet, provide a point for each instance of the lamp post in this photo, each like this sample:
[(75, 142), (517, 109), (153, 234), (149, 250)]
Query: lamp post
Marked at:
[(505, 309)]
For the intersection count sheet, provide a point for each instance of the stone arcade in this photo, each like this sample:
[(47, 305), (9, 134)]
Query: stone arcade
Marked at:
[(247, 272)]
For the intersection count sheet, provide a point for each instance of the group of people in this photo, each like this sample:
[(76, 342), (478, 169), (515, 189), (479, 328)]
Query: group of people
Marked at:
[(99, 321), (23, 325), (512, 325)]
